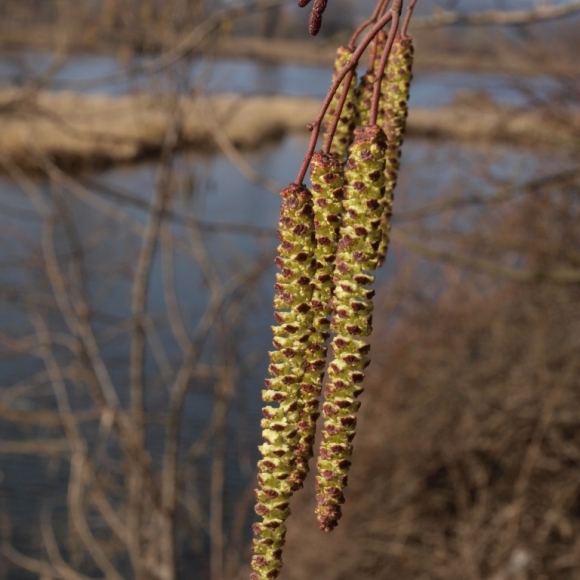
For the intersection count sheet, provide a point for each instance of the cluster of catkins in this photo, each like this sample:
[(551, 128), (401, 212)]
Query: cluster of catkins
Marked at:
[(332, 237)]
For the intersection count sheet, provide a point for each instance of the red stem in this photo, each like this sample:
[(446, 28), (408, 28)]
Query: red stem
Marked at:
[(336, 119), (350, 65), (408, 18), (373, 57), (379, 8), (395, 12), (383, 7)]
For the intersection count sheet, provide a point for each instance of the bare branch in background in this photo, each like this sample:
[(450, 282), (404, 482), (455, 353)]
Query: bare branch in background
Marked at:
[(541, 13), (504, 194), (229, 150)]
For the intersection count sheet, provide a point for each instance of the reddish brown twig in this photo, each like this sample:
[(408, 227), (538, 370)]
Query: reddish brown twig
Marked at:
[(339, 108), (351, 65), (383, 7), (395, 13), (379, 10), (375, 52), (408, 18)]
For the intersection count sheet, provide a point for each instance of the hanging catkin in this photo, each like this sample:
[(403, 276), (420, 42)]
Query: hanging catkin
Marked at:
[(315, 21), (327, 176), (279, 426), (347, 121), (396, 91), (356, 256)]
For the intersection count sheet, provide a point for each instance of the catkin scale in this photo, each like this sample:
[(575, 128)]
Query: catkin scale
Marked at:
[(293, 314), (327, 177), (347, 121), (396, 91), (356, 257)]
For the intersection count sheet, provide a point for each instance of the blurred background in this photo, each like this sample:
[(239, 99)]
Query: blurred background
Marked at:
[(142, 146)]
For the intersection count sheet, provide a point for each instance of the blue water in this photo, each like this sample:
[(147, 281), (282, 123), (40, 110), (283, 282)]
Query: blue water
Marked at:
[(98, 74)]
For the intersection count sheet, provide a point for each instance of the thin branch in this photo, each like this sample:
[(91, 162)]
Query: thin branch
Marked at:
[(229, 150), (557, 276), (500, 196), (182, 49), (338, 113), (53, 448), (396, 15), (501, 17), (79, 517), (139, 293), (126, 197), (216, 522), (174, 314), (408, 16), (379, 9), (43, 569), (53, 550), (57, 281)]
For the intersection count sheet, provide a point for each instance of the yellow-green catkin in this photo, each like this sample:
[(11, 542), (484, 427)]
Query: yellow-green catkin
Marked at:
[(347, 121), (396, 91), (327, 177), (364, 90), (356, 257), (292, 305)]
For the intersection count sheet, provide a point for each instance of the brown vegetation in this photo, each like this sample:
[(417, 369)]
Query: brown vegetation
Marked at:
[(467, 462), (86, 132), (82, 132)]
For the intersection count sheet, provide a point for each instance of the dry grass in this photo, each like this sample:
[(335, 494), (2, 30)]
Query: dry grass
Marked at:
[(83, 132)]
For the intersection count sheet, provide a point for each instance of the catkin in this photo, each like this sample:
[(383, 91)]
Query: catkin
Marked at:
[(315, 21), (356, 257), (396, 91), (347, 121), (292, 305), (327, 176)]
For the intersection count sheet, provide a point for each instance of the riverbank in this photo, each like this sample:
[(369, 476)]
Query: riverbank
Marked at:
[(468, 50), (87, 132)]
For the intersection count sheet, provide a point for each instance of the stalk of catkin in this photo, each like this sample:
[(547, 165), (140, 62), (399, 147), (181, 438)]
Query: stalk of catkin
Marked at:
[(347, 121), (396, 91), (292, 305), (364, 90), (327, 176), (356, 257)]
